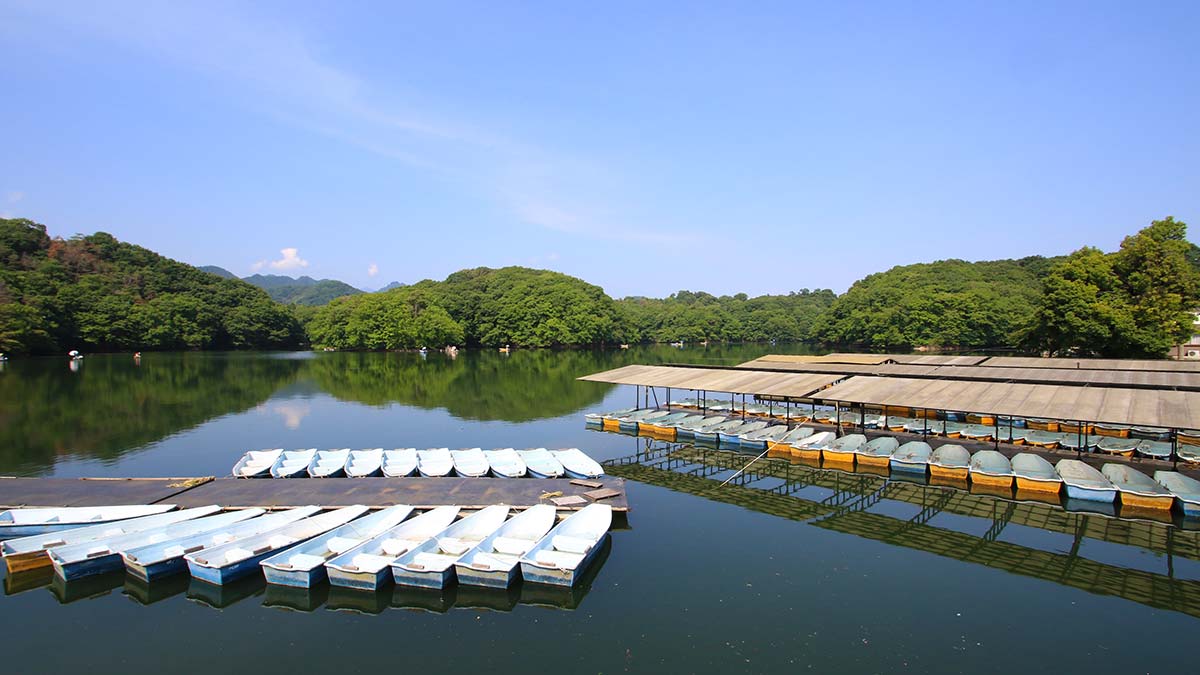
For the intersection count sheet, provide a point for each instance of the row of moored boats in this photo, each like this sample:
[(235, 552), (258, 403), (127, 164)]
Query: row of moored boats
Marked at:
[(300, 547), (684, 419), (432, 463)]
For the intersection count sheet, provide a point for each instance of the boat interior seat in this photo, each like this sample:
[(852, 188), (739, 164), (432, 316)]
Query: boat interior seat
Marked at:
[(454, 546), (398, 547), (431, 562), (305, 561), (491, 561), (512, 545), (571, 544), (237, 553), (342, 544), (559, 559), (367, 562), (279, 541)]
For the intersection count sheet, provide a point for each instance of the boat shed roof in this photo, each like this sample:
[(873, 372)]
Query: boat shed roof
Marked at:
[(1093, 364), (860, 359), (1143, 379), (728, 380), (926, 359), (1154, 408)]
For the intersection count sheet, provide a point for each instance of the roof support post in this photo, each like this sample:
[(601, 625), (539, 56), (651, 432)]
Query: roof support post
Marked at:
[(996, 436), (1175, 449), (668, 399), (637, 395), (787, 414), (1079, 448)]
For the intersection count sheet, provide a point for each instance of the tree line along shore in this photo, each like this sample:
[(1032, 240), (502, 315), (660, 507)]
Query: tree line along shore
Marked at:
[(97, 293)]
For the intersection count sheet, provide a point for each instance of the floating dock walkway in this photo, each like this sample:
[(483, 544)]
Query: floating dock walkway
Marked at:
[(420, 493)]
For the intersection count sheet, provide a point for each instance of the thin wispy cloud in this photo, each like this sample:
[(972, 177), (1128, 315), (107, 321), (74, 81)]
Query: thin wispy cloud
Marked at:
[(276, 68), (289, 261), (13, 196), (372, 269)]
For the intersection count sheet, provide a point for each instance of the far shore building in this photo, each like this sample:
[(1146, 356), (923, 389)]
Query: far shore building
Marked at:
[(1191, 350)]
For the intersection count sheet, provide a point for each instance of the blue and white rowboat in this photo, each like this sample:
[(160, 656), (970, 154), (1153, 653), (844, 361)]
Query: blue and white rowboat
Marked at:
[(431, 563), (1085, 482), (495, 561), (368, 567), (435, 462), (505, 463), (304, 565), (541, 464), (233, 561), (577, 464), (565, 552), (155, 561), (912, 458), (29, 522)]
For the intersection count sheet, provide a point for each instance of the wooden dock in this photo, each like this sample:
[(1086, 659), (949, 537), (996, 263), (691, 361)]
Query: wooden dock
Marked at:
[(422, 493)]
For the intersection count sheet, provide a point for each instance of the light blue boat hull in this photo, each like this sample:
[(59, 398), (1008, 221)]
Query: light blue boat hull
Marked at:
[(559, 577), (536, 474), (234, 571), (576, 474), (14, 531), (89, 567), (295, 578), (684, 433), (157, 570), (628, 426), (363, 581), (753, 445), (909, 468), (705, 437), (1190, 510), (405, 577), (1090, 495), (729, 440), (492, 579)]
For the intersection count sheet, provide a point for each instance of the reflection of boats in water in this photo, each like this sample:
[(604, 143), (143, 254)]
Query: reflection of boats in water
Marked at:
[(357, 600), (567, 597), (846, 502), (294, 598), (96, 586), (224, 595), (149, 592), (19, 582), (487, 598), (434, 600)]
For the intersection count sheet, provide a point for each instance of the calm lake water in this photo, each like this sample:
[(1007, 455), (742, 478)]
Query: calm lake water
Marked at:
[(801, 570)]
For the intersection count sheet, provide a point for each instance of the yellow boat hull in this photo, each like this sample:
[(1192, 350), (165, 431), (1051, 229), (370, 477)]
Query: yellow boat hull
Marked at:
[(1118, 453), (24, 562), (874, 461), (949, 481), (1042, 426), (807, 455), (839, 458), (1148, 503), (951, 473), (1074, 428), (1114, 433), (1042, 486), (992, 481), (1161, 515), (981, 419), (954, 434), (779, 450), (1037, 496), (611, 425)]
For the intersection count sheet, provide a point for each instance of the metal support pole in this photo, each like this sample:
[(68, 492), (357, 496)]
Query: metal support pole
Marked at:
[(1081, 446), (788, 415), (668, 399), (743, 407), (996, 423), (925, 418), (1175, 449), (637, 395)]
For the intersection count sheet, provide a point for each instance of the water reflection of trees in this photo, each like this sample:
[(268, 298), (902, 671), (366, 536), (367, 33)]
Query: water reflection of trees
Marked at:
[(111, 406)]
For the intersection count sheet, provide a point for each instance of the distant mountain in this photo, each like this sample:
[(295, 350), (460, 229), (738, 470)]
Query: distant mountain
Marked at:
[(219, 271), (303, 291), (394, 284)]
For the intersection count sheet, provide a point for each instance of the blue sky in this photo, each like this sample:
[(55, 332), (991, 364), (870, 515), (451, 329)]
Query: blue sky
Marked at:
[(645, 147)]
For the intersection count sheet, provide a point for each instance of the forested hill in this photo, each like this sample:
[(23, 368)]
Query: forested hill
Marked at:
[(98, 293), (949, 302), (301, 291)]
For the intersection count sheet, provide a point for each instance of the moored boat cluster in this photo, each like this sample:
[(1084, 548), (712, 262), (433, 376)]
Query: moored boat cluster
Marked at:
[(430, 463), (300, 547), (1027, 472)]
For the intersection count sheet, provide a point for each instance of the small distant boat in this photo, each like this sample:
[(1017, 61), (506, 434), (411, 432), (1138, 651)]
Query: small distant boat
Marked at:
[(1007, 435), (1154, 449), (1114, 445), (925, 426), (431, 563), (664, 425), (609, 420), (104, 555), (733, 437), (912, 458), (565, 552), (368, 566), (1075, 428), (495, 561), (1111, 430), (470, 462), (1150, 433), (810, 447), (791, 437), (1136, 488), (877, 452), (293, 463), (1041, 424), (1043, 439), (256, 463), (991, 469), (689, 430), (1185, 488), (825, 415), (304, 565), (953, 429), (28, 522), (1188, 453), (873, 421), (578, 465), (842, 450), (1085, 482), (329, 463), (435, 462), (1074, 442), (711, 434), (541, 464), (364, 463), (155, 561), (898, 424), (634, 421), (1035, 474), (1188, 436), (978, 432), (222, 564), (1014, 422), (399, 463), (761, 439), (505, 463), (950, 461), (981, 419)]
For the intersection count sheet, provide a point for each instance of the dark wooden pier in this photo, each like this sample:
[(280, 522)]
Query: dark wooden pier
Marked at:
[(422, 493)]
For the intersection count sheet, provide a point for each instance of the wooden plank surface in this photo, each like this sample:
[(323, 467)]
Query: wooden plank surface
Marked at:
[(417, 492), (18, 492)]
